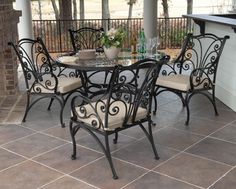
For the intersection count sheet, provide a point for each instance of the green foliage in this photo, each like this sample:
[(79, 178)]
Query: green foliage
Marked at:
[(177, 37), (114, 37)]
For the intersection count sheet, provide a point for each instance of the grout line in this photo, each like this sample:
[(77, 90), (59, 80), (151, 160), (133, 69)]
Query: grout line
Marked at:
[(63, 176), (216, 138), (212, 160), (178, 180), (15, 140), (99, 158), (135, 179), (221, 177), (12, 109)]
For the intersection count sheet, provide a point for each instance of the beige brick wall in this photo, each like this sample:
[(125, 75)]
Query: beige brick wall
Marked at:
[(8, 64)]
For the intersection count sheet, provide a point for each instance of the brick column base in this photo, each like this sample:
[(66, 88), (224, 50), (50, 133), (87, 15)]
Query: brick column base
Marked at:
[(8, 62)]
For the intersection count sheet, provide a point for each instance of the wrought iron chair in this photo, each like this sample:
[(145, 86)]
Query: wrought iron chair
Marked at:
[(86, 38), (194, 70), (41, 77), (126, 103)]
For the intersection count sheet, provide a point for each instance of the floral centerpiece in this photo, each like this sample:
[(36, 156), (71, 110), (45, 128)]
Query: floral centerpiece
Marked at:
[(112, 42)]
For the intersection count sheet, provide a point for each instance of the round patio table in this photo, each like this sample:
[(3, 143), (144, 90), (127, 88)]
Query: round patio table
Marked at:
[(95, 73)]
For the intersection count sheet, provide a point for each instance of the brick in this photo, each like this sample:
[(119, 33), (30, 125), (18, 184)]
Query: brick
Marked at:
[(8, 62)]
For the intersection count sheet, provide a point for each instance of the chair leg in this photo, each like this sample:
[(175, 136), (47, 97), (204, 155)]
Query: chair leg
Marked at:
[(50, 104), (149, 136), (214, 102), (182, 99), (27, 107), (73, 131), (155, 101), (106, 150), (62, 103), (186, 101), (108, 155), (116, 138), (61, 115)]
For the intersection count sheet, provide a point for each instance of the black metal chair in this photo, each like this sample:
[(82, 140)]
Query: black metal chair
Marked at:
[(126, 103), (86, 38), (41, 75), (194, 70)]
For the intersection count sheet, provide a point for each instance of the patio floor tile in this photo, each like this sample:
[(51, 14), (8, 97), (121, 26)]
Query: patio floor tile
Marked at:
[(228, 181), (218, 150), (99, 174), (33, 145), (225, 116), (141, 153), (227, 133), (64, 133), (89, 142), (199, 126), (174, 138), (68, 183), (155, 181), (27, 175), (191, 169), (60, 158), (8, 159), (12, 132)]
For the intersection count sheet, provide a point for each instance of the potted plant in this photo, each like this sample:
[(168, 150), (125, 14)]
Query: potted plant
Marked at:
[(112, 42)]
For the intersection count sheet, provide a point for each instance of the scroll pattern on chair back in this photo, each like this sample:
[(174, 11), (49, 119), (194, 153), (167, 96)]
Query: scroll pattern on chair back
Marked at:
[(36, 64), (85, 38), (132, 88)]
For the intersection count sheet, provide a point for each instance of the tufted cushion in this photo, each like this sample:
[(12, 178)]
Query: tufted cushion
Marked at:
[(113, 121), (65, 84)]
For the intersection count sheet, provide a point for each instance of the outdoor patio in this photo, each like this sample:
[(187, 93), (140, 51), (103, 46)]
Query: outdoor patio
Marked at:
[(36, 154)]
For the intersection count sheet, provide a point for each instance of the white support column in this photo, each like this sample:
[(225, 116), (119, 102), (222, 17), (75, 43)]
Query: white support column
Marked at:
[(233, 5), (150, 18), (25, 28)]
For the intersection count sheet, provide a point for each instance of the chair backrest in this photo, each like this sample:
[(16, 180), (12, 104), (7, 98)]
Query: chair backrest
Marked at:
[(201, 52), (34, 60), (86, 38), (132, 87)]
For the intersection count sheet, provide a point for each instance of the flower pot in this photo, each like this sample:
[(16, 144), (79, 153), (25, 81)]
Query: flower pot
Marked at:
[(111, 52)]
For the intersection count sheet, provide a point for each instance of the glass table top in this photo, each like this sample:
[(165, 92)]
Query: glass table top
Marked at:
[(124, 59)]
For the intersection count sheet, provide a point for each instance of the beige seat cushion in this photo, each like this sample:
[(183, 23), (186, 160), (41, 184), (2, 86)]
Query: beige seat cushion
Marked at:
[(65, 84), (182, 82), (178, 81), (113, 121)]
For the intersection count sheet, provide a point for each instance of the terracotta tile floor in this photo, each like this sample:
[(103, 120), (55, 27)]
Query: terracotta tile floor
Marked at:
[(36, 154)]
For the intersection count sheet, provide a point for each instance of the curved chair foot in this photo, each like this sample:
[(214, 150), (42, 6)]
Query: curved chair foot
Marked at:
[(153, 124), (157, 158), (186, 123), (115, 139), (115, 177), (154, 112), (73, 157), (63, 125)]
